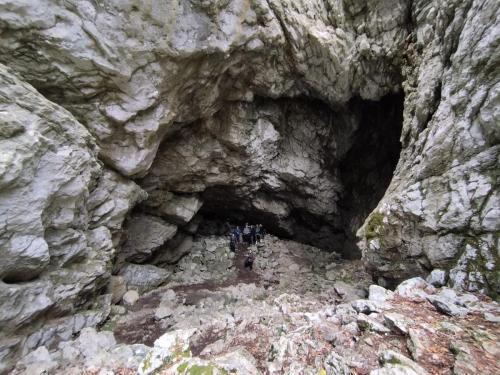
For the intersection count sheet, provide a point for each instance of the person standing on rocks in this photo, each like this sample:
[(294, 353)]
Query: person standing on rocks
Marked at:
[(257, 233), (232, 243), (246, 234), (249, 259), (253, 235), (237, 234), (262, 232)]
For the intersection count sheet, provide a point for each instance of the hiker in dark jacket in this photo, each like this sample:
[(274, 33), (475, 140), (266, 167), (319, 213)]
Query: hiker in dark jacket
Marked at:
[(257, 233), (250, 258), (246, 234), (253, 235), (262, 231), (237, 234), (232, 243)]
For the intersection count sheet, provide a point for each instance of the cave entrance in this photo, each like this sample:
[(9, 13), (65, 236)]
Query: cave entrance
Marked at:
[(359, 153)]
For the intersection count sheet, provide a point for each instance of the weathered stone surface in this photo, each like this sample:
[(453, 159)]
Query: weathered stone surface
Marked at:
[(447, 306), (348, 292), (334, 364), (37, 362), (46, 172), (177, 209), (130, 298), (257, 109), (62, 329), (437, 278), (397, 322), (443, 201), (397, 364), (168, 348), (367, 306), (137, 77), (117, 287), (415, 288), (368, 323), (143, 276), (286, 327), (145, 234), (53, 255), (111, 200), (179, 246), (379, 294)]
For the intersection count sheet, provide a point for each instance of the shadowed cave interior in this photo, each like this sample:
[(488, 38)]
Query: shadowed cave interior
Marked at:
[(356, 147)]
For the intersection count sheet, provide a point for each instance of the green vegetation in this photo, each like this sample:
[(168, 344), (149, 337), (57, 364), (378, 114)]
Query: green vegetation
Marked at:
[(110, 325), (374, 226), (273, 354), (478, 264), (146, 363), (182, 367), (201, 370)]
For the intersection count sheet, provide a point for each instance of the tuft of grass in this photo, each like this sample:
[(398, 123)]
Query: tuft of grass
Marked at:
[(374, 226)]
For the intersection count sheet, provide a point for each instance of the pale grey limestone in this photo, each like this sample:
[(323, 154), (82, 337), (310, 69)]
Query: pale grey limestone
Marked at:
[(91, 92)]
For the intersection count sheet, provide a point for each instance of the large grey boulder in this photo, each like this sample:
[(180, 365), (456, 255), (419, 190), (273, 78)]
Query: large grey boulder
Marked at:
[(143, 276), (175, 208), (415, 288), (437, 278), (112, 199), (47, 168), (394, 363), (145, 234)]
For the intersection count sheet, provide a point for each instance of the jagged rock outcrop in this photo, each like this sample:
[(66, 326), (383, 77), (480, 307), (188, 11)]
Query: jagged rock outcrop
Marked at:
[(442, 207), (56, 252), (130, 71), (286, 112)]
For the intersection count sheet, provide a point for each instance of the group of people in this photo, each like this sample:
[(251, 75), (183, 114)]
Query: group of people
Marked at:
[(249, 235)]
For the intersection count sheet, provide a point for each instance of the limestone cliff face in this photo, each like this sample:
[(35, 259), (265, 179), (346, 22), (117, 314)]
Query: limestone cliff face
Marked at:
[(282, 111), (442, 208), (60, 210), (130, 70)]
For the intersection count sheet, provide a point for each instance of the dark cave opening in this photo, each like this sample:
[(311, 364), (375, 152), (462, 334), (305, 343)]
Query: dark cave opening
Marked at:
[(364, 171), (368, 166)]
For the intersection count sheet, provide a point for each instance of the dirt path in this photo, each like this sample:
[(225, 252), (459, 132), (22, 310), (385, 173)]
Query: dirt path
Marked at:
[(144, 328)]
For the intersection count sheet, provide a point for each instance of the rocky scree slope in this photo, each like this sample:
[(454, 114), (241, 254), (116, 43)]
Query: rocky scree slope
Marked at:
[(314, 320), (269, 100)]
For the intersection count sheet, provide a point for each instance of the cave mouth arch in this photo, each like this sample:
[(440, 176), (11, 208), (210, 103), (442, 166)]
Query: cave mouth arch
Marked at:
[(359, 154)]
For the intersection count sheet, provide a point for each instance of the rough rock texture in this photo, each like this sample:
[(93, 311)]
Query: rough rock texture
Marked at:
[(145, 234), (288, 112), (56, 252), (296, 324), (442, 207), (134, 74), (143, 276), (248, 162), (131, 70)]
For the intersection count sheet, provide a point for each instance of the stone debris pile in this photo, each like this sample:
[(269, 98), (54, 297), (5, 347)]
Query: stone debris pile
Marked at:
[(283, 322)]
